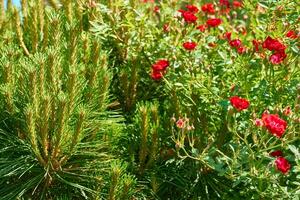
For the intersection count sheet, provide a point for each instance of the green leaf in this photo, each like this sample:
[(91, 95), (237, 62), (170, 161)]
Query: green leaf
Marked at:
[(295, 151), (224, 104)]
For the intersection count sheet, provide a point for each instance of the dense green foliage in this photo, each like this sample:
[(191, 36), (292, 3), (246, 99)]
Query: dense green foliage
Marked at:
[(84, 116)]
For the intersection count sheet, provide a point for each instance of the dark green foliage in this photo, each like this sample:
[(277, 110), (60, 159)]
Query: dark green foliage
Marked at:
[(56, 128)]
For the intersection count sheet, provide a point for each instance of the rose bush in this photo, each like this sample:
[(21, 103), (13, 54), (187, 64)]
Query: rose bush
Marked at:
[(190, 99), (223, 46)]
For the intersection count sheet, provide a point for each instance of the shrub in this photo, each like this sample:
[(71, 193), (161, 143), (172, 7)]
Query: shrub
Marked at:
[(150, 100)]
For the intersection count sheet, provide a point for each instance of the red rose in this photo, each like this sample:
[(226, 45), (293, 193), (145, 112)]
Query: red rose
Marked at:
[(226, 11), (277, 153), (274, 124), (227, 36), (208, 8), (214, 22), (180, 123), (239, 103), (256, 44), (278, 57), (273, 44), (282, 165), (189, 45), (159, 68), (237, 4), (164, 63), (166, 28), (241, 50), (235, 43), (224, 3), (160, 65), (291, 34), (202, 27), (156, 75), (188, 17), (148, 1), (192, 8), (156, 9)]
